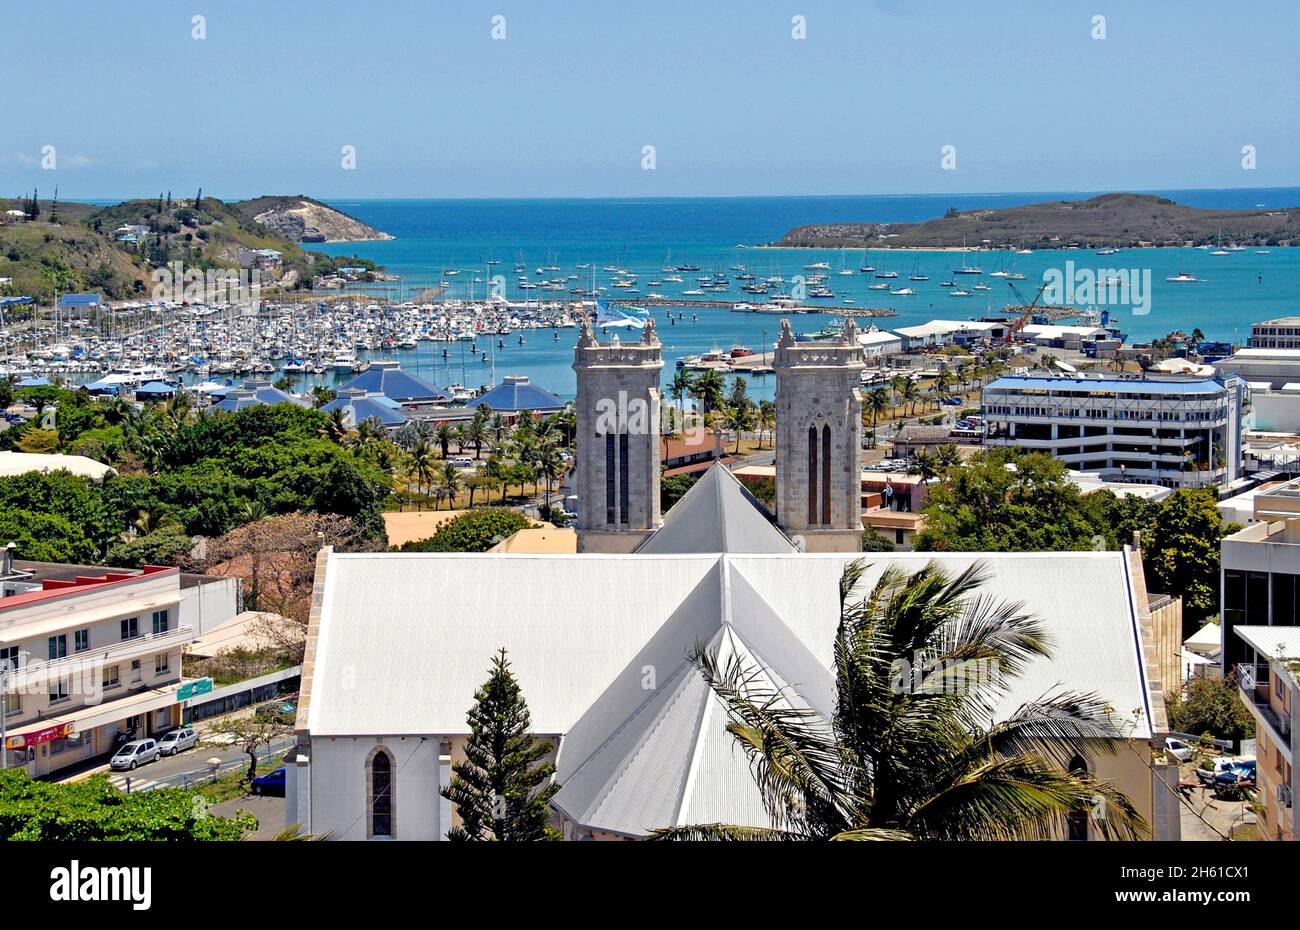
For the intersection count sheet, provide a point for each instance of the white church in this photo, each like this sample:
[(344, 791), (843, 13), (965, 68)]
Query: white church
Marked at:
[(599, 641)]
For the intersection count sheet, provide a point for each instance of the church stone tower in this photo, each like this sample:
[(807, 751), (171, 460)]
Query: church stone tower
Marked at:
[(617, 410), (819, 440)]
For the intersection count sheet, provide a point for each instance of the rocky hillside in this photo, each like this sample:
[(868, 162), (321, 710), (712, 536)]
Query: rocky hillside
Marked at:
[(1111, 220), (79, 247), (303, 219)]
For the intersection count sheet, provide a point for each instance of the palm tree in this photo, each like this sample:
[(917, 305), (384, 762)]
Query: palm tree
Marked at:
[(681, 386), (911, 394), (877, 401), (766, 419), (708, 389), (335, 427), (499, 427), (450, 478), (550, 464), (476, 432), (424, 464), (923, 463), (909, 752), (739, 418), (946, 456), (444, 435)]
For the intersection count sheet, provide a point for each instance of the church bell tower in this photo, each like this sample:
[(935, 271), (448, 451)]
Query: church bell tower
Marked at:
[(819, 440), (617, 412)]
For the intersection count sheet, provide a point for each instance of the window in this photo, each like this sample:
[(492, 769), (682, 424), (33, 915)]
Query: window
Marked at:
[(58, 690), (623, 440), (58, 646), (160, 663), (135, 670), (131, 628), (82, 642), (826, 474), (111, 676), (9, 658), (812, 475), (159, 622), (610, 469), (13, 704), (380, 791)]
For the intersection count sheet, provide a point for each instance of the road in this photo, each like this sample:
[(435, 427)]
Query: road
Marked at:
[(183, 768)]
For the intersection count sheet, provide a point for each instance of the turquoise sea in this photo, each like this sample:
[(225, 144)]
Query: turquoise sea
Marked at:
[(647, 235)]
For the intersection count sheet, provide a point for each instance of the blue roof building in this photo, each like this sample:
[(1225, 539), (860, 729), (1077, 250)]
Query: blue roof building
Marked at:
[(387, 378), (254, 394), (155, 389), (359, 406), (516, 393)]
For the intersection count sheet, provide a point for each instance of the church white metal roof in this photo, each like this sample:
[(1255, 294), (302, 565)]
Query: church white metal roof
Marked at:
[(718, 514), (600, 647)]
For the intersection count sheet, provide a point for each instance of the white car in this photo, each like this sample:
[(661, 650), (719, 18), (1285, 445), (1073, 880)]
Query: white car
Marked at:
[(136, 752), (176, 741), (463, 462), (1181, 751)]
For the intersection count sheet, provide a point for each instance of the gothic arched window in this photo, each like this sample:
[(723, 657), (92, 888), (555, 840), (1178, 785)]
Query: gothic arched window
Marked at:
[(826, 474), (380, 773), (812, 475)]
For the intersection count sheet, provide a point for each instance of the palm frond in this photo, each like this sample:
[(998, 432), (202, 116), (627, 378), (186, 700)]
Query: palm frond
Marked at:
[(722, 832), (792, 754)]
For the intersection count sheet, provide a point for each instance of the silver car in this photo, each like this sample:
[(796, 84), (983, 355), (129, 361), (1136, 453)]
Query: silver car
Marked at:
[(175, 741), (136, 752)]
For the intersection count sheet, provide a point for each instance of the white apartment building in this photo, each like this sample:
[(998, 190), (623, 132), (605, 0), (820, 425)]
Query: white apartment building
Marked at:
[(86, 658), (1172, 431), (1270, 688), (1282, 333)]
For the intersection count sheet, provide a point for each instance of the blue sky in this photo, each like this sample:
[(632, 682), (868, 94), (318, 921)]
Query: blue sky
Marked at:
[(563, 106)]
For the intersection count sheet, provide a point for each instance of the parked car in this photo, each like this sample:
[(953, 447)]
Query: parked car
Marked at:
[(178, 740), (136, 752), (461, 462), (283, 709), (1221, 764), (271, 784), (1181, 751), (952, 401)]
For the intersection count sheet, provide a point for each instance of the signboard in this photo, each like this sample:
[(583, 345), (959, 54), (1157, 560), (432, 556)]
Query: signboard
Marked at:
[(192, 689), (35, 738)]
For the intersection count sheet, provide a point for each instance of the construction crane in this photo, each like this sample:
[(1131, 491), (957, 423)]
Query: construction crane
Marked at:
[(1019, 324)]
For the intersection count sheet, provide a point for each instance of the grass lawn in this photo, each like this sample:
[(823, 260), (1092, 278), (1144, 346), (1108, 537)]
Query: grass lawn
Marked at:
[(232, 785)]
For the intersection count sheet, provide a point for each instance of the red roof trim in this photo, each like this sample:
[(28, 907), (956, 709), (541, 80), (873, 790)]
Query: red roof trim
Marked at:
[(52, 588)]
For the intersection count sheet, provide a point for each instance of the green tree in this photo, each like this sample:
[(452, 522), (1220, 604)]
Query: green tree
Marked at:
[(95, 810), (910, 753), (1211, 705), (502, 787), (472, 531), (1008, 500), (1183, 554), (708, 389), (877, 403)]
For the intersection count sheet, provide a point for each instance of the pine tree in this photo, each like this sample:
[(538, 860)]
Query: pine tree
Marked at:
[(54, 206), (198, 199), (169, 200), (496, 789)]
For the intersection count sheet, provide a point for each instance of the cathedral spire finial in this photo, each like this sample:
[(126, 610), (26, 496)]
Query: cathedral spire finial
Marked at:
[(649, 335), (586, 336), (787, 335)]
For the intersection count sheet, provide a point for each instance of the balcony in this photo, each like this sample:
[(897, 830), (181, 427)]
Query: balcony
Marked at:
[(94, 659), (1254, 679)]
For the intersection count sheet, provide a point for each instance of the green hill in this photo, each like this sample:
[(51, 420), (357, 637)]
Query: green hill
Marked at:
[(84, 251), (1110, 220)]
